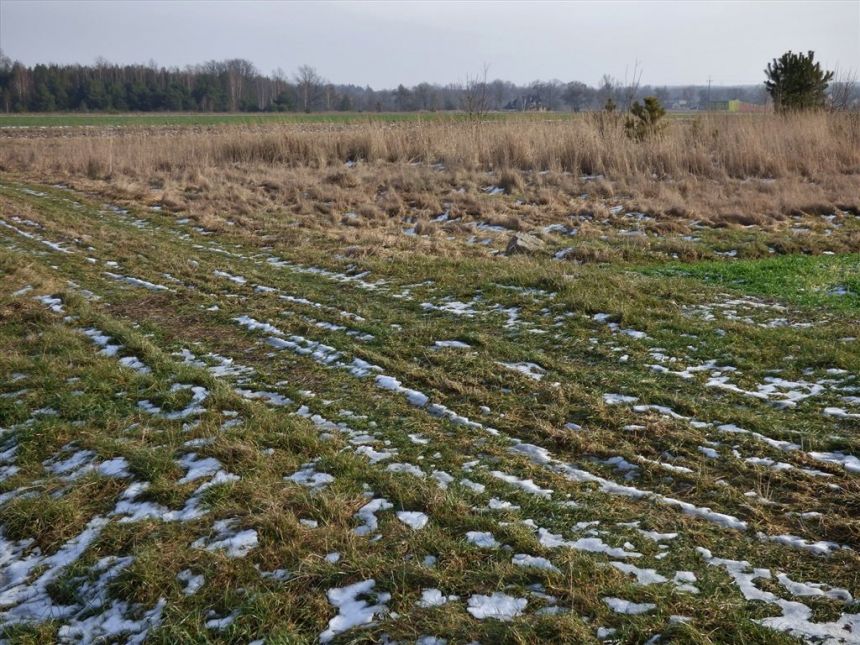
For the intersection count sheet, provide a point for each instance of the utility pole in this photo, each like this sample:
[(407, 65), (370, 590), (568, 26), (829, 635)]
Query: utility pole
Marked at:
[(709, 94)]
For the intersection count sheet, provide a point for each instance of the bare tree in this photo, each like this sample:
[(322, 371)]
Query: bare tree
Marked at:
[(475, 94), (607, 90), (239, 71), (425, 96), (309, 84), (577, 95), (330, 94), (844, 91), (631, 85)]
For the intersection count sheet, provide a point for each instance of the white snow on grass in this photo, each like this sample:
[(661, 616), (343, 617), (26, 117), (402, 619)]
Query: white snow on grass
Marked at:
[(409, 469), (621, 606), (198, 395), (270, 398), (499, 606), (322, 354), (351, 610), (197, 467), (255, 325), (605, 633), (525, 484), (777, 391), (367, 514), (820, 547), (310, 478), (617, 399), (25, 598), (656, 536), (102, 340), (483, 539), (839, 413), (643, 576), (452, 307), (232, 278), (475, 487), (848, 462), (101, 619), (442, 478), (434, 598), (82, 462), (375, 456), (795, 616), (588, 544), (813, 589), (415, 520), (220, 624), (414, 397), (69, 464), (710, 453), (496, 504), (534, 562), (134, 363), (233, 543), (683, 581), (36, 238), (543, 457), (531, 370), (192, 582), (136, 282), (52, 303), (130, 509), (451, 344), (356, 279)]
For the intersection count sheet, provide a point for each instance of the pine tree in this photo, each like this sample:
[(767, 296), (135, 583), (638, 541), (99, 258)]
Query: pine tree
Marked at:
[(646, 119), (797, 82)]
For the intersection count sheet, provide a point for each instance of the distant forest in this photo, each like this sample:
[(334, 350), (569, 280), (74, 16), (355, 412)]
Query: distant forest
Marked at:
[(237, 86)]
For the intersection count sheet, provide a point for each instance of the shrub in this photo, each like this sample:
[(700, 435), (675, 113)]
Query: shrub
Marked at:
[(645, 119)]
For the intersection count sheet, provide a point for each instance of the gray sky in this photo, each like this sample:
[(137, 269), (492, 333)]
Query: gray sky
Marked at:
[(386, 43)]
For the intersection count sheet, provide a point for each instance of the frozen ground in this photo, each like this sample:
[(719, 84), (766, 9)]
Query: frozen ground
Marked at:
[(213, 436)]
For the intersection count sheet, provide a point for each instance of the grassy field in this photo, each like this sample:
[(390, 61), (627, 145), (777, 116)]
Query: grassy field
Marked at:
[(155, 119), (313, 399), (143, 119)]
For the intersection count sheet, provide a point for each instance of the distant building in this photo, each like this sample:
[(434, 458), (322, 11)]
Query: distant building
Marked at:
[(735, 105), (526, 103)]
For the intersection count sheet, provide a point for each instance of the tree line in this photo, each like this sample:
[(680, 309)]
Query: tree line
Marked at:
[(237, 86)]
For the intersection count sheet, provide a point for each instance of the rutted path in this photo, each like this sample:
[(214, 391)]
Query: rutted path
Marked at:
[(552, 498)]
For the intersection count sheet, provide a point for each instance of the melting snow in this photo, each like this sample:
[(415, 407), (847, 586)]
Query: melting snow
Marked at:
[(234, 544), (413, 519), (499, 606), (621, 606), (367, 514), (192, 582), (525, 560), (532, 370), (483, 539), (352, 611)]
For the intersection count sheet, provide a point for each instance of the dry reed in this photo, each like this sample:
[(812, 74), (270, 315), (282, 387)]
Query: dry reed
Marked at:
[(708, 146)]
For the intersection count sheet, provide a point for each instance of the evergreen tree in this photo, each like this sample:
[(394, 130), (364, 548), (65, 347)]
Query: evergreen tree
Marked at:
[(645, 119), (797, 82)]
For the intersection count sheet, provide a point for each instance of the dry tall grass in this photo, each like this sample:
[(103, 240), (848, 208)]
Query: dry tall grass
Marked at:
[(725, 170), (711, 146)]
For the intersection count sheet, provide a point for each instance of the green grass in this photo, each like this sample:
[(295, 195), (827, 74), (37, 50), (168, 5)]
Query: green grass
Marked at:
[(153, 119), (46, 362), (192, 119), (807, 281)]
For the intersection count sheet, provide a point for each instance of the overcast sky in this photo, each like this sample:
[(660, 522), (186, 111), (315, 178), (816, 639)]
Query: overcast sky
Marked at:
[(385, 43)]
